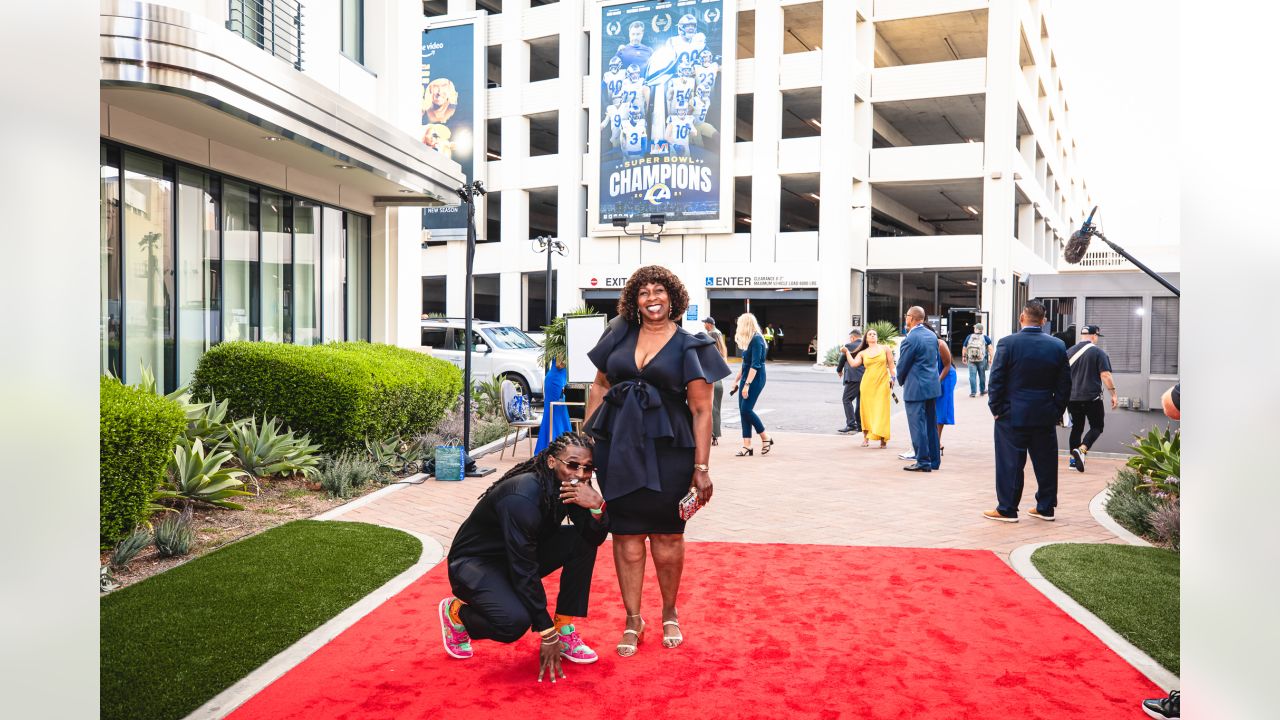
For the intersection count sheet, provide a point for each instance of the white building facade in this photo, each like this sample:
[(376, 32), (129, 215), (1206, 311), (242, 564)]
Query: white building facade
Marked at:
[(257, 158), (886, 153)]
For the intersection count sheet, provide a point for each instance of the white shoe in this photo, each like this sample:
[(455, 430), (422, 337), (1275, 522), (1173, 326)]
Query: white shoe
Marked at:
[(909, 455)]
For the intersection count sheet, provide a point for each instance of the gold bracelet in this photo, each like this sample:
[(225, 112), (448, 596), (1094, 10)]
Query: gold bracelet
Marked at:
[(702, 466)]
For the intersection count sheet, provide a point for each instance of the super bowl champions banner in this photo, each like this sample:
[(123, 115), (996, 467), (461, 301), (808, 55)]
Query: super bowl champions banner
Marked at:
[(450, 106), (662, 112)]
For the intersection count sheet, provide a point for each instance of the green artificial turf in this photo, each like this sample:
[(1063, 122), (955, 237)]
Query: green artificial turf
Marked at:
[(173, 641), (1132, 589)]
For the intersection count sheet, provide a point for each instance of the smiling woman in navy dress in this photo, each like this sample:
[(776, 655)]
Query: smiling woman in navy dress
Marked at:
[(650, 412)]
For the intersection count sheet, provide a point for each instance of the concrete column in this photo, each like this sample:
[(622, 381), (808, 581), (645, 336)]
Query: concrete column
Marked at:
[(570, 197), (461, 6), (1000, 136), (515, 154), (1026, 224), (407, 236), (841, 228), (766, 185), (381, 277)]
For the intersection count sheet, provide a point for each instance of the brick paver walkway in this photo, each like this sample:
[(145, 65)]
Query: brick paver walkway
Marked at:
[(826, 489)]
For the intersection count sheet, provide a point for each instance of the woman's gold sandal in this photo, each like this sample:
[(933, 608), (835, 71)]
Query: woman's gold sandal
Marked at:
[(672, 642), (627, 650)]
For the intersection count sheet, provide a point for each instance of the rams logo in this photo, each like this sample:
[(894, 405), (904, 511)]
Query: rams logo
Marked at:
[(658, 194)]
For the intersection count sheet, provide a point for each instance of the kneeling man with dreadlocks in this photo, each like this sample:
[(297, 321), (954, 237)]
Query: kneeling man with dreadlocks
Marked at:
[(514, 538)]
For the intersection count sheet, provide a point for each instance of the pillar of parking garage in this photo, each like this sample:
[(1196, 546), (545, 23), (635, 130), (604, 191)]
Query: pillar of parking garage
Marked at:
[(1003, 74), (766, 121), (515, 154), (571, 197), (840, 235)]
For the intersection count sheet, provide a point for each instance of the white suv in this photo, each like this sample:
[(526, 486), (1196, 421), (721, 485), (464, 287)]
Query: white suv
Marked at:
[(496, 349)]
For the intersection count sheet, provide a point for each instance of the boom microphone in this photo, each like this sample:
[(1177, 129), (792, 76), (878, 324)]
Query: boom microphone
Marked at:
[(1078, 245)]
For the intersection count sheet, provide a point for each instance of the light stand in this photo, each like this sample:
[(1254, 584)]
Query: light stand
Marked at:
[(657, 219), (468, 193), (549, 245)]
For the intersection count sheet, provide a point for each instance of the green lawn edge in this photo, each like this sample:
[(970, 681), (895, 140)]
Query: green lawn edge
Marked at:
[(173, 641), (1134, 590)]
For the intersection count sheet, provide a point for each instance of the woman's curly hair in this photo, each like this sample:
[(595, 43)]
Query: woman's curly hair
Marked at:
[(628, 301)]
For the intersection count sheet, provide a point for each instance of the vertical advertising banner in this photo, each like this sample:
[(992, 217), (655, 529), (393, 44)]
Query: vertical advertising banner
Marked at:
[(450, 110), (665, 113)]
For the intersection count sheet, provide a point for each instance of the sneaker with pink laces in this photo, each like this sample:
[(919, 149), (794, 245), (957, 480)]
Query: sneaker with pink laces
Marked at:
[(573, 649), (456, 640)]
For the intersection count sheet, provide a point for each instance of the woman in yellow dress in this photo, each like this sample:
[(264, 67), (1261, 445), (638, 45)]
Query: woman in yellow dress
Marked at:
[(873, 392)]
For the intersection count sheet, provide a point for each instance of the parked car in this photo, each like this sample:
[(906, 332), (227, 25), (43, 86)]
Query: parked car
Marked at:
[(497, 349)]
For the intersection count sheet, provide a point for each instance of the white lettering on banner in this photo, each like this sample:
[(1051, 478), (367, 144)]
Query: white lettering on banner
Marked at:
[(641, 178), (748, 281), (435, 46)]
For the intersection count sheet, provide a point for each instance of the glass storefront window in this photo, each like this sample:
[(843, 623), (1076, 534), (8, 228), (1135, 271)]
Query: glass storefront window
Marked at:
[(189, 259), (306, 273), (357, 277), (277, 268), (198, 253), (109, 221), (239, 261), (148, 268), (332, 313)]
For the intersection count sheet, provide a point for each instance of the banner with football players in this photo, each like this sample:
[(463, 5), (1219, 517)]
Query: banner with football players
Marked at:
[(664, 110), (451, 99)]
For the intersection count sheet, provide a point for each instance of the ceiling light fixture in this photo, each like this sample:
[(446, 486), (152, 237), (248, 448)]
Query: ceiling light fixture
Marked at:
[(970, 283), (971, 209), (271, 138), (815, 196), (345, 167), (816, 123)]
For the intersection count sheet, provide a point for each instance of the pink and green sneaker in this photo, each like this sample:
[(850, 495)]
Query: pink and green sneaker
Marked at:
[(573, 649), (456, 640)]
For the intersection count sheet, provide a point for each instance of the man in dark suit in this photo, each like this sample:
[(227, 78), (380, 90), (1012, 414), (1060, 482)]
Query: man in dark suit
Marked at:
[(1029, 389), (918, 368), (852, 379)]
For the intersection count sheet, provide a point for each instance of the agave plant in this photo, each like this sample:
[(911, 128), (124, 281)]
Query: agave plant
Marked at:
[(263, 451), (487, 396), (210, 424), (195, 477), (395, 454), (1159, 458), (182, 396)]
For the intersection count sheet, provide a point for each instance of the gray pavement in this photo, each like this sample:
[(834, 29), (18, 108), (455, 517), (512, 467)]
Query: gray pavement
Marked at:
[(797, 398)]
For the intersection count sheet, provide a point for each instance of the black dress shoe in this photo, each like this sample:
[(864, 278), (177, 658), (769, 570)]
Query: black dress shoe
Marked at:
[(917, 467), (846, 430)]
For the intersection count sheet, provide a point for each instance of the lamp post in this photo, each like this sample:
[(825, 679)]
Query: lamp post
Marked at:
[(549, 245), (658, 219), (469, 193)]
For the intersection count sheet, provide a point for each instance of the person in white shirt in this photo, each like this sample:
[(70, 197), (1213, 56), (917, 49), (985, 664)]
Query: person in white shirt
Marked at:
[(632, 136), (613, 118), (680, 131)]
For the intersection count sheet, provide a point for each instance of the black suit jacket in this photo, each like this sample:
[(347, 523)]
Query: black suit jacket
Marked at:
[(1030, 379)]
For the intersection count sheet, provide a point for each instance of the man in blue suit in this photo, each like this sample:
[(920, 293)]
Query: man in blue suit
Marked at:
[(918, 374), (1028, 390)]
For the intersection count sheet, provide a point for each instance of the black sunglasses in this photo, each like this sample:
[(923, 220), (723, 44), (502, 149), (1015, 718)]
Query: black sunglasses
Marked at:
[(575, 466)]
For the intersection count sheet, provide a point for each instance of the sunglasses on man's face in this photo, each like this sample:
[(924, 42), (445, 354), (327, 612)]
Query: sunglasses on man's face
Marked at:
[(575, 466)]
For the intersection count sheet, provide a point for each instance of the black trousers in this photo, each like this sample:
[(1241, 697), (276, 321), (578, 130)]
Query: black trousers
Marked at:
[(1013, 444), (493, 610), (849, 399), (1094, 412)]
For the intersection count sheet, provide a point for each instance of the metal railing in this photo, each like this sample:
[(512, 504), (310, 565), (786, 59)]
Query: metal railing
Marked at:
[(273, 25)]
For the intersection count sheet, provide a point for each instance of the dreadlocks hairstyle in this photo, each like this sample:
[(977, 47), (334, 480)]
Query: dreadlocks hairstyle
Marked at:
[(538, 463)]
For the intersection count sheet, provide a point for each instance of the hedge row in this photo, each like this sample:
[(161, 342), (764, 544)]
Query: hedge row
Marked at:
[(136, 436), (340, 393)]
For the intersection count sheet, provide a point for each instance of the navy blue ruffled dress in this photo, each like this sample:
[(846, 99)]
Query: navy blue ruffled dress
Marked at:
[(644, 430)]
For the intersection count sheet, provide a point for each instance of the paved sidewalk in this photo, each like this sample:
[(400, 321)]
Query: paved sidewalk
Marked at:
[(825, 489)]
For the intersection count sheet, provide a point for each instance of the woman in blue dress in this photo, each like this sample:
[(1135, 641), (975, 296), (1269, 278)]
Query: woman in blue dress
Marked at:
[(946, 405), (555, 422)]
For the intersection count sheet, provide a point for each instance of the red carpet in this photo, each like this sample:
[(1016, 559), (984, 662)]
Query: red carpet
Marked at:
[(883, 633)]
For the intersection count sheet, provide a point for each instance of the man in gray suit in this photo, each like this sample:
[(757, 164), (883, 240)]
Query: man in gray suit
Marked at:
[(852, 377), (918, 368)]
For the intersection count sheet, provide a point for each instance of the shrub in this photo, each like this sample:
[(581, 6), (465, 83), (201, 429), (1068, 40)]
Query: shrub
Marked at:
[(137, 431), (129, 548), (1130, 505), (343, 475), (486, 431), (338, 393), (487, 396), (175, 535), (1165, 524)]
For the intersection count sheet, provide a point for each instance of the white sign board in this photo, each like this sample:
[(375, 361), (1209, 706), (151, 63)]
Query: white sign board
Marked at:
[(581, 333)]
